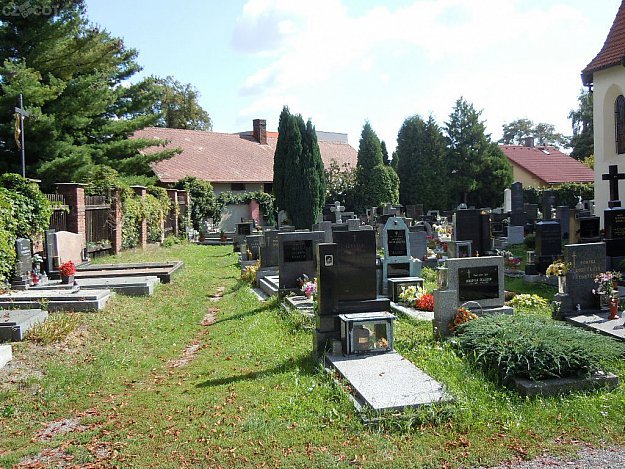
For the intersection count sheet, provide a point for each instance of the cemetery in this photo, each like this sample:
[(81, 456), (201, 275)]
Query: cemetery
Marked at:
[(172, 296)]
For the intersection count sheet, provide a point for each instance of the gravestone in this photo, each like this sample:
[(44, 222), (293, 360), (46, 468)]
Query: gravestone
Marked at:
[(326, 227), (337, 209), (23, 263), (562, 216), (584, 228), (549, 201), (586, 262), (270, 249), (548, 243), (418, 243), (459, 249), (531, 211), (477, 283), (297, 257), (507, 200), (242, 230), (473, 225), (51, 253), (414, 211), (254, 244), (69, 247), (517, 212), (614, 217), (346, 280), (398, 261)]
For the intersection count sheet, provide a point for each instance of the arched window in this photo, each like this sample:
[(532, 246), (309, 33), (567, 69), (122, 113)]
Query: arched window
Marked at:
[(619, 122)]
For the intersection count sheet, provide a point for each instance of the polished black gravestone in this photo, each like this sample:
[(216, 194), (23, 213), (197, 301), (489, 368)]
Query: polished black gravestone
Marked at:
[(548, 243), (474, 225), (517, 213), (254, 243), (23, 263), (478, 283), (270, 249), (297, 257)]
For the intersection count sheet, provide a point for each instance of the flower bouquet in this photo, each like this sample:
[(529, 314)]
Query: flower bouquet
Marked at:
[(558, 268), (607, 283), (67, 269), (463, 315)]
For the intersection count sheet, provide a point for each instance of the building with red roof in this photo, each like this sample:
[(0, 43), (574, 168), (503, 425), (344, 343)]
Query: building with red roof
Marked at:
[(234, 162), (606, 75), (542, 166)]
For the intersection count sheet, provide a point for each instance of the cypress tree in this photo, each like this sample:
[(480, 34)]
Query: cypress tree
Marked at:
[(375, 183)]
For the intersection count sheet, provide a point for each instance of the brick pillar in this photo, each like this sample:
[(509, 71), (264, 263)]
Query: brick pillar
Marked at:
[(74, 194), (173, 195), (141, 191), (116, 218)]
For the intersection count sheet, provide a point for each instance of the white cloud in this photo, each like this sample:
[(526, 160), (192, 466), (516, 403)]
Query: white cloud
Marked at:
[(510, 60)]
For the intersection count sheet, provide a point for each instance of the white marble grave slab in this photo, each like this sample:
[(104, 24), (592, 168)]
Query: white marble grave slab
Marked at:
[(15, 323), (388, 381), (599, 322), (56, 300)]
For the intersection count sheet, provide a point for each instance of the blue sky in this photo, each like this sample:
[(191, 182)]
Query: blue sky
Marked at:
[(341, 62)]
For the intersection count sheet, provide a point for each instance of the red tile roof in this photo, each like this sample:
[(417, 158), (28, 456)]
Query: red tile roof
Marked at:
[(613, 51), (219, 157), (552, 168)]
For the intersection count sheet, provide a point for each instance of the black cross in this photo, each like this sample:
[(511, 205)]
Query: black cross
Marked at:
[(21, 112), (613, 176)]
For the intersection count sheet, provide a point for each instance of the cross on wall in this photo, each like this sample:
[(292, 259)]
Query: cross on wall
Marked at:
[(613, 176)]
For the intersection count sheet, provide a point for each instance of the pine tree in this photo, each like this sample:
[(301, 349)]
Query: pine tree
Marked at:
[(375, 183), (422, 164), (471, 154), (70, 74)]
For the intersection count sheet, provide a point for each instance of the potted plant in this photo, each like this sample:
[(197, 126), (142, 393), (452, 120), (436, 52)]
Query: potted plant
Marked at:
[(67, 271)]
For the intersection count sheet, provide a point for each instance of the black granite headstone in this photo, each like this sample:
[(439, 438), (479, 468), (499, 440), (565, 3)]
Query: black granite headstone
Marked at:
[(478, 283), (254, 243), (562, 215), (270, 249), (24, 257), (549, 201), (51, 251), (356, 265), (589, 229), (531, 210), (548, 243), (397, 245), (586, 261), (614, 231)]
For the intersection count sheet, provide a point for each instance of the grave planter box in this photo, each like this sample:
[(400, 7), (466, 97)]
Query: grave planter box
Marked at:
[(363, 333), (396, 284)]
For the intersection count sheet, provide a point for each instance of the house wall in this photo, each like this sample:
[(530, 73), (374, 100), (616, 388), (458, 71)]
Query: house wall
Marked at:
[(525, 177), (220, 187), (608, 85)]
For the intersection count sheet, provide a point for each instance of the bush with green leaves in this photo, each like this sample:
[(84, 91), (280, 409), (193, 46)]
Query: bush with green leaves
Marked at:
[(202, 199), (24, 212), (566, 194), (534, 347), (528, 303)]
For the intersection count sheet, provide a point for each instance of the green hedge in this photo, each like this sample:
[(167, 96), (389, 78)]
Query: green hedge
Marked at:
[(566, 194)]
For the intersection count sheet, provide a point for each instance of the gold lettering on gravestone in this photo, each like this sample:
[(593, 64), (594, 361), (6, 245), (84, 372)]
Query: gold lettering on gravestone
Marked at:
[(587, 269)]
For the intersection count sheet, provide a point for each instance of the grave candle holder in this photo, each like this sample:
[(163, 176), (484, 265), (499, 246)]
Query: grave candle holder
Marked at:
[(363, 333), (443, 278), (531, 257)]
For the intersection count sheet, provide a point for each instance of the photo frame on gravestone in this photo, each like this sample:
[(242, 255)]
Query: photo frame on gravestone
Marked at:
[(478, 283), (397, 245)]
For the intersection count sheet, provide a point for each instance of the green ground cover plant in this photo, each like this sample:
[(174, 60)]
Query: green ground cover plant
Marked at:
[(203, 374)]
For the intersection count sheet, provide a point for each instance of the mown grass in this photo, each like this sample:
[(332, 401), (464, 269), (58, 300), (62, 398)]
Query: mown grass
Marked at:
[(254, 395)]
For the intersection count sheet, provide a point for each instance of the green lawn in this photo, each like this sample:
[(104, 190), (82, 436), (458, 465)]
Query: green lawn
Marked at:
[(151, 386)]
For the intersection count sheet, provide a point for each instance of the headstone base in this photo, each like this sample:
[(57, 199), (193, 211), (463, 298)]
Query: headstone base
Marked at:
[(322, 341), (6, 355)]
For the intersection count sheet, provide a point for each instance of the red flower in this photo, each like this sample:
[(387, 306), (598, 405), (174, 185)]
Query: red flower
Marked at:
[(425, 302), (67, 269)]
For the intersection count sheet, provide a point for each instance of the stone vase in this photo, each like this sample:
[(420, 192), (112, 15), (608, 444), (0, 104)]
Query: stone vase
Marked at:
[(562, 284), (67, 279)]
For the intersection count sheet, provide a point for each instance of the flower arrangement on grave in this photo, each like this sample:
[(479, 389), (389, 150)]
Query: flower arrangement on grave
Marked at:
[(419, 298), (558, 268), (67, 269), (509, 259), (462, 316), (249, 273), (310, 288), (607, 283)]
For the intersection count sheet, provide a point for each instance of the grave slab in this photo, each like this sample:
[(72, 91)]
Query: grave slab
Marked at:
[(411, 312), (130, 286), (599, 322), (557, 386), (56, 300), (269, 284), (15, 323), (388, 381), (163, 270), (6, 355), (300, 303)]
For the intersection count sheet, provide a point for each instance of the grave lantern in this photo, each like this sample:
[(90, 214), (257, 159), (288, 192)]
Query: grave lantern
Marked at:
[(367, 332), (531, 257), (443, 278)]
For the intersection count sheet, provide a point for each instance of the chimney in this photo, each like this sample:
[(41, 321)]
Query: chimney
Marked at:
[(528, 142), (260, 130)]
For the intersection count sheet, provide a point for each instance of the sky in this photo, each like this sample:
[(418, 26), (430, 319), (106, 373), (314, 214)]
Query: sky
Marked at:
[(344, 62)]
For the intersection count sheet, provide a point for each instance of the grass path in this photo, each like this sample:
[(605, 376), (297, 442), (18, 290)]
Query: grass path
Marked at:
[(203, 374)]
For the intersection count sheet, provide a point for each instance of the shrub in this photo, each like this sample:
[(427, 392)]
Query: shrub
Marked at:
[(249, 273), (534, 347), (527, 302), (530, 241)]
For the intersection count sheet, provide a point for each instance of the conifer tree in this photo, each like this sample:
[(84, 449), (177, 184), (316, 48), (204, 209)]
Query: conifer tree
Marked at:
[(70, 74)]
